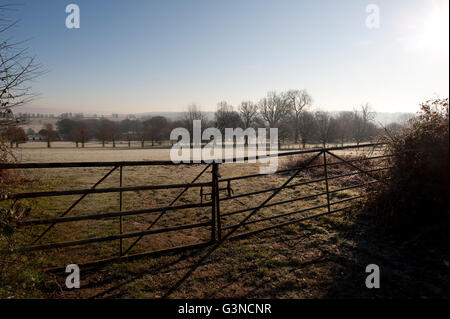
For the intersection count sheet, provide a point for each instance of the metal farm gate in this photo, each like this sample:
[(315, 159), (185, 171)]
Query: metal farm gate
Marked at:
[(213, 195)]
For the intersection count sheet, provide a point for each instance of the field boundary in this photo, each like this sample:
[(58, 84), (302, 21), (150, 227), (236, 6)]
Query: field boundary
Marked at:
[(210, 197)]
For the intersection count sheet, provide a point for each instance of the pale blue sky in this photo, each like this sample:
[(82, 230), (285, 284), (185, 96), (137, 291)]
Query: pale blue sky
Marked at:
[(143, 56)]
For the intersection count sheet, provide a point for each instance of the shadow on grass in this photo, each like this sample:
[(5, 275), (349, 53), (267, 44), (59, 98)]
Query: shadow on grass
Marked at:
[(407, 270), (323, 258)]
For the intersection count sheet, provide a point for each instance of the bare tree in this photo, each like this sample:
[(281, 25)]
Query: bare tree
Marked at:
[(285, 130), (394, 128), (248, 111), (222, 116), (307, 127), (324, 127), (80, 133), (343, 127), (108, 130), (142, 133), (156, 128), (130, 129), (14, 135), (361, 123), (274, 108), (192, 113), (173, 125), (226, 117), (104, 131), (249, 115), (49, 134), (65, 128), (298, 101), (115, 132), (17, 69)]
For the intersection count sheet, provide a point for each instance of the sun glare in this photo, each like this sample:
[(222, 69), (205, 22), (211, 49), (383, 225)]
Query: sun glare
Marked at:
[(434, 31)]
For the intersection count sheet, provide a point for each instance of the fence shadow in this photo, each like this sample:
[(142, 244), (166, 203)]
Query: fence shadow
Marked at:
[(406, 270)]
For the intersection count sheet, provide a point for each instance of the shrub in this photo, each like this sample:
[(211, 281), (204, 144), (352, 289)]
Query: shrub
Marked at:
[(9, 217), (6, 156), (414, 199)]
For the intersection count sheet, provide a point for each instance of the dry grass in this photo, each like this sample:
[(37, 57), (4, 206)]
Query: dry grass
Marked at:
[(298, 261)]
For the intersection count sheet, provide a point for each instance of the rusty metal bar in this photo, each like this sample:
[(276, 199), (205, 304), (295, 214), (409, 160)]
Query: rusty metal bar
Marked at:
[(274, 204), (270, 190), (299, 198), (298, 211), (155, 187), (287, 223), (121, 216), (103, 190), (101, 262), (356, 173), (109, 238), (214, 190), (309, 167), (90, 164), (150, 163), (159, 209), (201, 195), (217, 200), (325, 172), (299, 184), (355, 167), (107, 215), (277, 188)]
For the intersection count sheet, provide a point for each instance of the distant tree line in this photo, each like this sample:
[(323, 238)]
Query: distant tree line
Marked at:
[(152, 130), (292, 112)]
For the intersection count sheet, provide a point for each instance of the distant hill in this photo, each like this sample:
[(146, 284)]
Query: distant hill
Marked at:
[(171, 115), (381, 118), (386, 118)]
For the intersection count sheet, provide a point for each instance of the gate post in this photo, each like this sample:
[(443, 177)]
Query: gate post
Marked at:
[(325, 171), (213, 201), (120, 218), (219, 223)]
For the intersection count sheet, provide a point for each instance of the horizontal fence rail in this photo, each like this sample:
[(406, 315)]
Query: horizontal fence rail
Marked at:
[(108, 215), (103, 190), (164, 163), (219, 191), (111, 238)]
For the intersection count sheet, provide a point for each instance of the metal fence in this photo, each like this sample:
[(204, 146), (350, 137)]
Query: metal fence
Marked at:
[(212, 195)]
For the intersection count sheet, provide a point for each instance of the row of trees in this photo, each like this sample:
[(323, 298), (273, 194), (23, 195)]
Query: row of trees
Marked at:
[(153, 129), (291, 112)]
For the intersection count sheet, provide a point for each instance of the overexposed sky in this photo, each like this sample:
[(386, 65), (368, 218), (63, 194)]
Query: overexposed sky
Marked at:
[(147, 56)]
